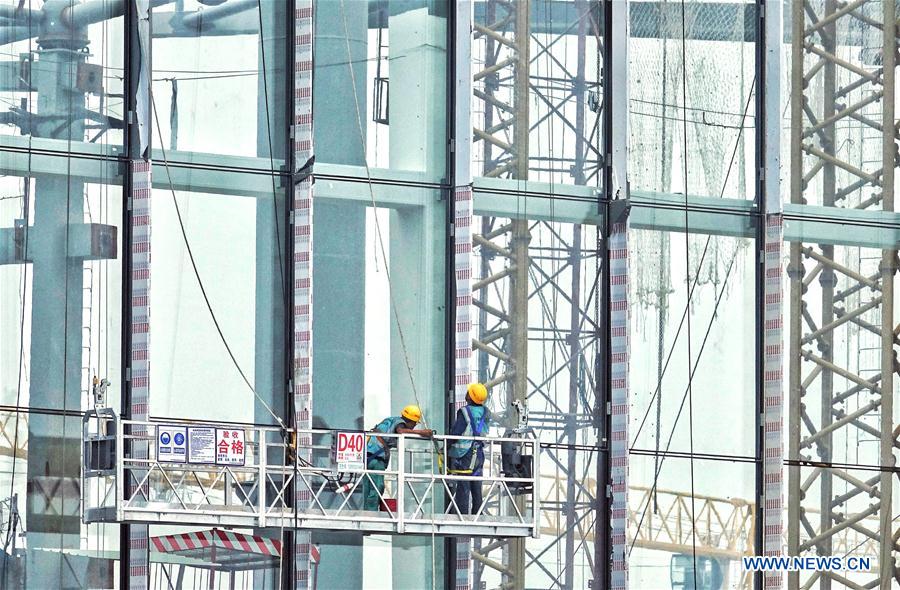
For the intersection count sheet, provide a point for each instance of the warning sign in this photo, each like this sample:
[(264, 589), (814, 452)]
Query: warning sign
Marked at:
[(201, 445), (229, 446), (349, 451), (171, 444)]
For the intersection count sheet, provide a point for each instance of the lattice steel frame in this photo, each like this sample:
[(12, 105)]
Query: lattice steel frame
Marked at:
[(512, 273), (818, 106)]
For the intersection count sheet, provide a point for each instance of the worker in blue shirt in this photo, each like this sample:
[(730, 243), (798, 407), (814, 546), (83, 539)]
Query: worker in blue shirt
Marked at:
[(378, 451), (467, 455)]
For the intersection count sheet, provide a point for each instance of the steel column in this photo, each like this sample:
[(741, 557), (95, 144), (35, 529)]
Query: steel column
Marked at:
[(135, 563)]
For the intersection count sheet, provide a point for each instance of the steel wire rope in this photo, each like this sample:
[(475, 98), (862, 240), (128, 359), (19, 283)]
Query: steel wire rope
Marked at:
[(387, 270)]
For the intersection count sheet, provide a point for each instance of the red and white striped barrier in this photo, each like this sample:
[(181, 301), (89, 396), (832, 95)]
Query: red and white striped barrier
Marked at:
[(138, 554), (220, 540), (773, 398), (619, 352), (462, 242), (302, 210)]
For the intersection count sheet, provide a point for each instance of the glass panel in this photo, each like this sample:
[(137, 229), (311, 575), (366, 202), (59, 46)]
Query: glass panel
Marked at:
[(706, 505), (561, 325), (46, 545), (560, 102), (719, 109), (835, 317), (665, 410), (208, 364), (841, 495), (60, 328), (378, 296), (60, 283), (834, 105), (61, 74), (220, 81), (381, 70)]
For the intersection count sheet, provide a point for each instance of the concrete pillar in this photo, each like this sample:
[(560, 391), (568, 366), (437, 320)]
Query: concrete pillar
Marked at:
[(416, 260), (418, 141), (339, 255), (56, 338)]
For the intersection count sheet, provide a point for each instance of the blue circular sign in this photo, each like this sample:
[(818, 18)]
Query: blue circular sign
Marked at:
[(164, 438), (179, 439)]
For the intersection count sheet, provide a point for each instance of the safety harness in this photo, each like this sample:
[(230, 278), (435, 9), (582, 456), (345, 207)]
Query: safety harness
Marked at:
[(460, 448)]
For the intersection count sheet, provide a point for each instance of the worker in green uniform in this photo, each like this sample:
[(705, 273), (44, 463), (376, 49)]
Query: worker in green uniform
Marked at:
[(378, 450)]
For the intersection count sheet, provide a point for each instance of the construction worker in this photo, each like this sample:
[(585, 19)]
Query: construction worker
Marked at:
[(467, 455), (378, 450)]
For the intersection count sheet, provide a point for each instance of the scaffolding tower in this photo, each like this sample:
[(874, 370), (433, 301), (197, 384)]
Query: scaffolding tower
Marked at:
[(527, 265), (843, 333)]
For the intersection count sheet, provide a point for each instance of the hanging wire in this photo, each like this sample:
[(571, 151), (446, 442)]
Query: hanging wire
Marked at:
[(196, 272)]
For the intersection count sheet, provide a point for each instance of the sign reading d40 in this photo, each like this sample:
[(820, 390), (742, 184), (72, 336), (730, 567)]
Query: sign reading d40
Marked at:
[(349, 451)]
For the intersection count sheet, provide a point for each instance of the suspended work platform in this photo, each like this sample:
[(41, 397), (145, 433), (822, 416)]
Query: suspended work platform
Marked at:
[(194, 474)]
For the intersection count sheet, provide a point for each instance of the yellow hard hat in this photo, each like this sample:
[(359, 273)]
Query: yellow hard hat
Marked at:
[(477, 393), (412, 413)]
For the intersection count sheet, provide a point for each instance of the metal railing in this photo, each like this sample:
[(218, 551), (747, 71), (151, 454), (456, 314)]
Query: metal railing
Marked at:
[(417, 497)]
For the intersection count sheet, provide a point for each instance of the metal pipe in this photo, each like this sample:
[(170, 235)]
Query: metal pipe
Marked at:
[(95, 11), (16, 13), (11, 34), (210, 15)]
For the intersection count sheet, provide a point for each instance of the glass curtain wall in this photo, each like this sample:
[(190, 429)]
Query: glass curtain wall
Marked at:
[(60, 278), (693, 276), (220, 199)]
